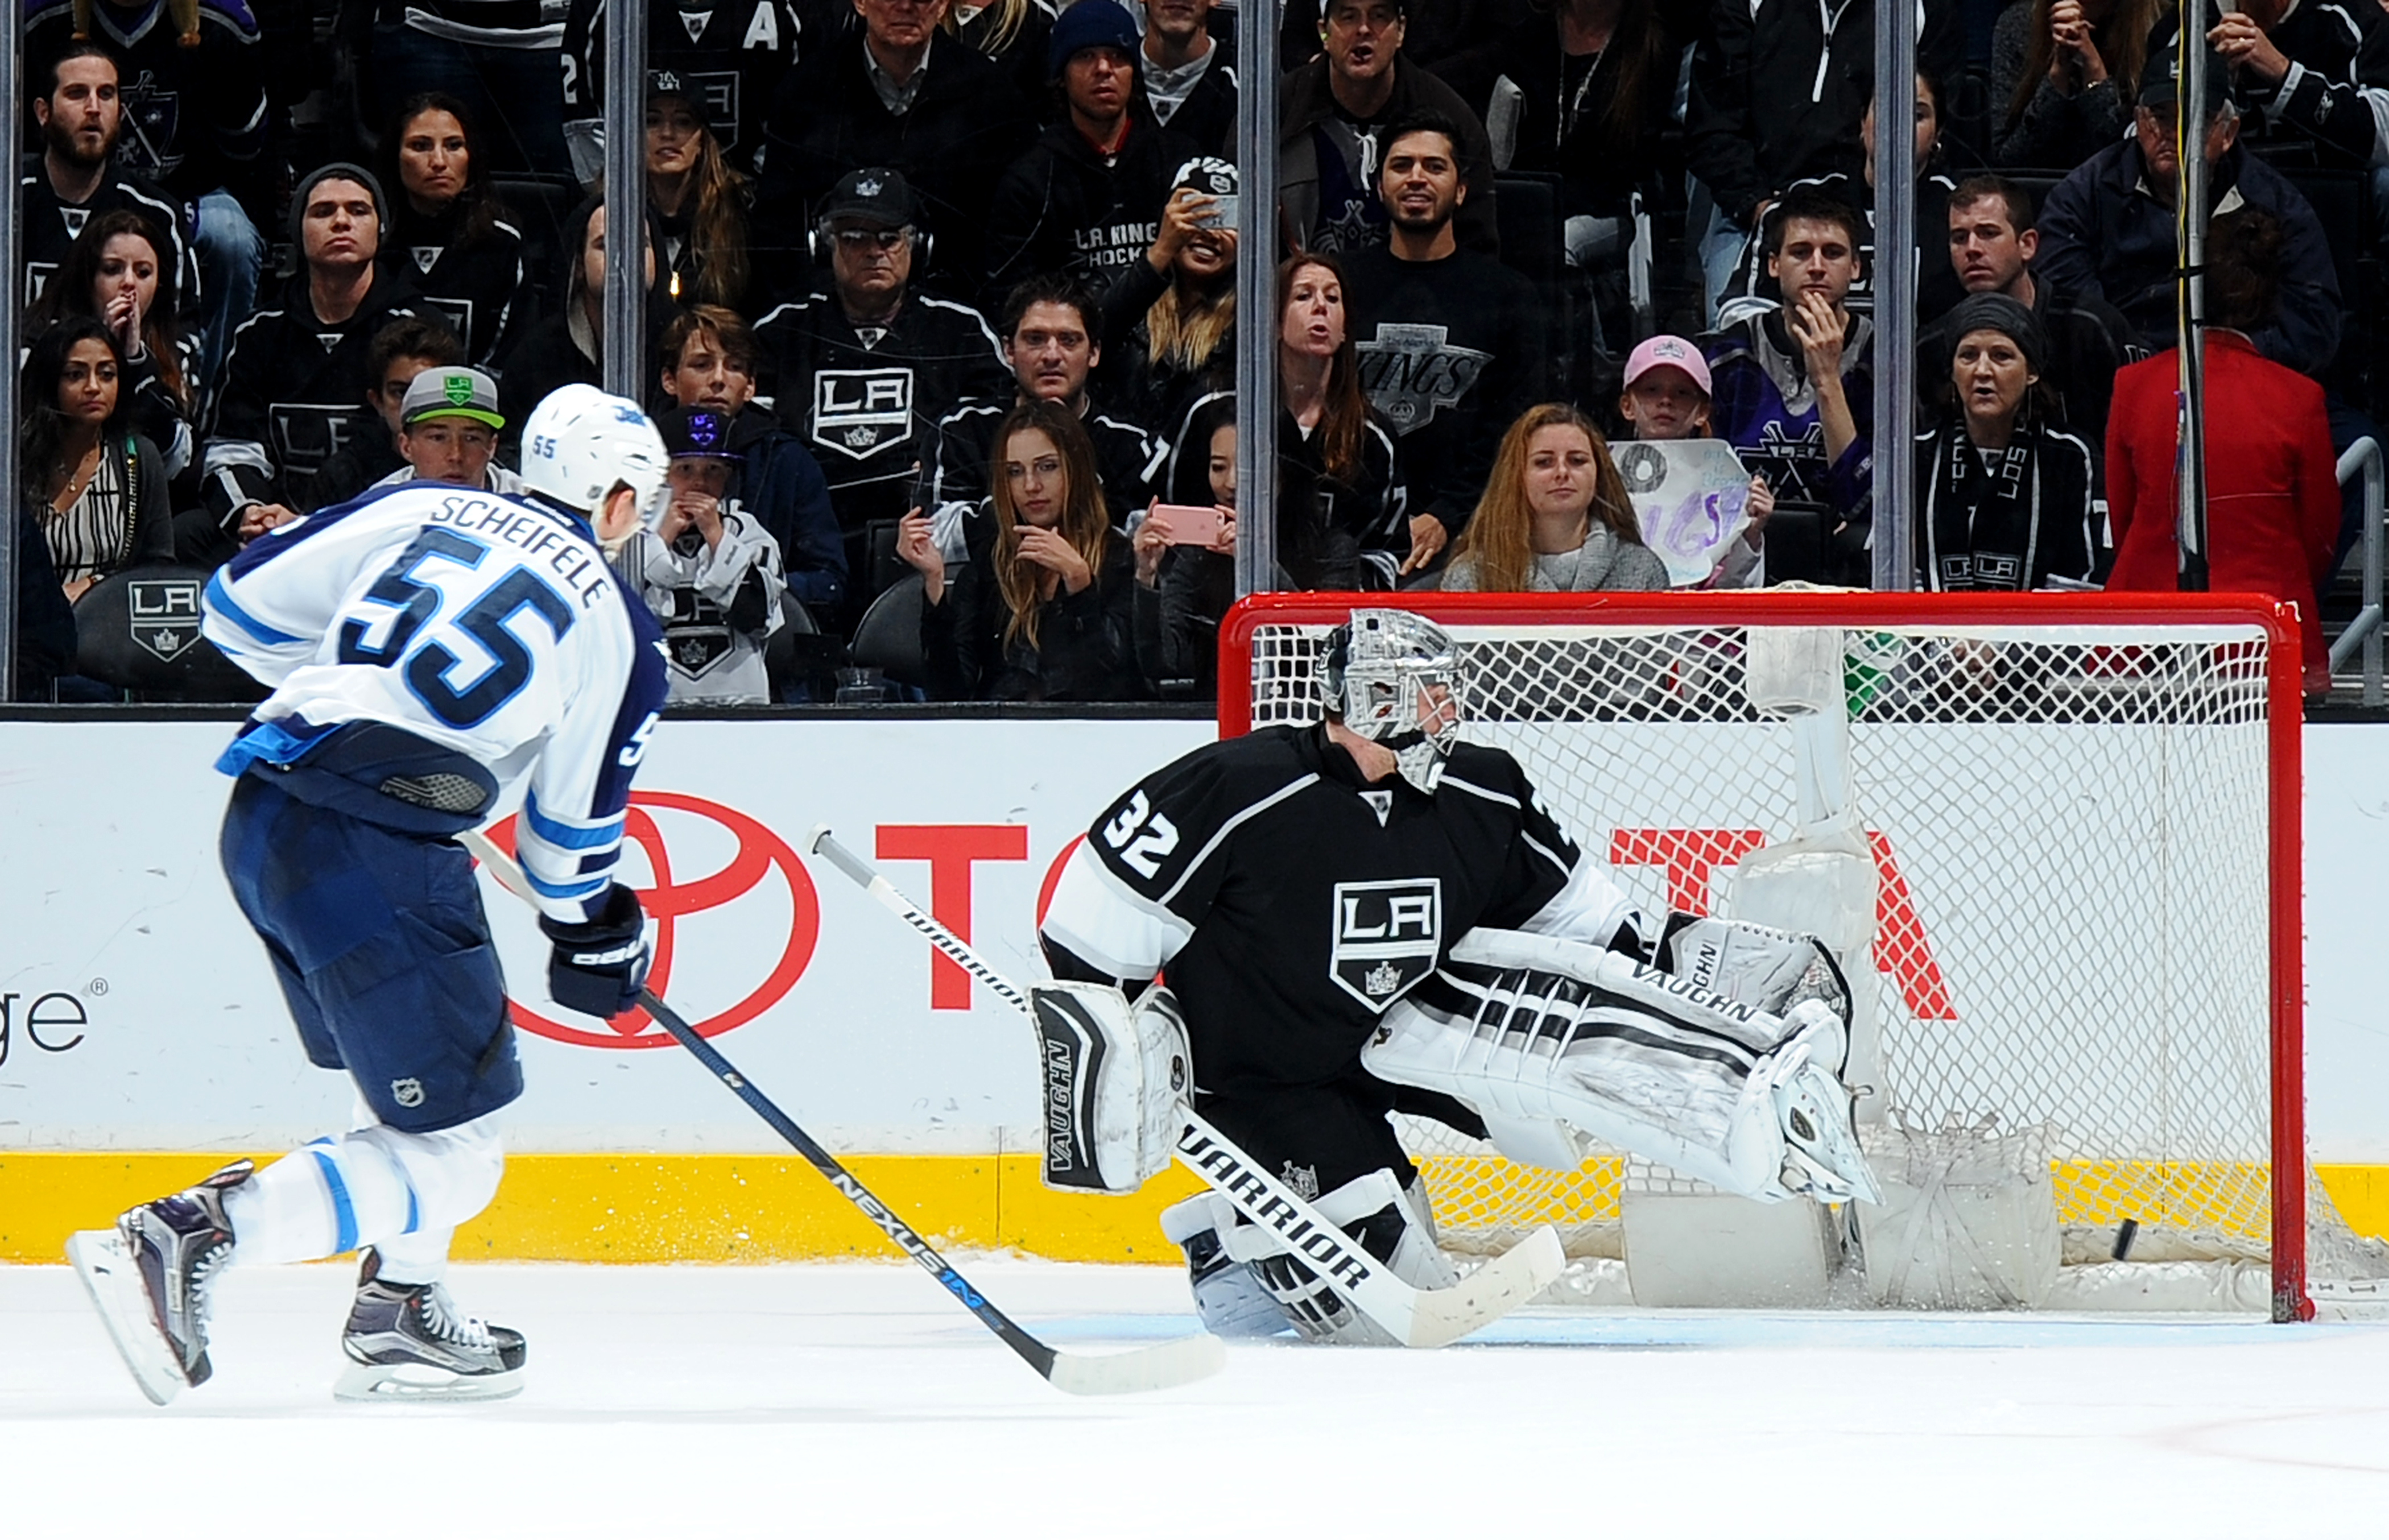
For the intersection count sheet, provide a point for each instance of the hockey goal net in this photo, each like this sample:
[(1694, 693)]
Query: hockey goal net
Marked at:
[(2083, 814)]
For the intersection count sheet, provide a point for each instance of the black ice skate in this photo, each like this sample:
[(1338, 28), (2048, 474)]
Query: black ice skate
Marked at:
[(405, 1341), (150, 1277)]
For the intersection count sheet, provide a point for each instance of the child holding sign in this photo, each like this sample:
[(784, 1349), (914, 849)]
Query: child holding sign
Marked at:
[(1667, 400)]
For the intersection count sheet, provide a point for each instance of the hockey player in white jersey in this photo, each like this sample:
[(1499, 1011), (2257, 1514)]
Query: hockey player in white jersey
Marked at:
[(430, 647), (1370, 914)]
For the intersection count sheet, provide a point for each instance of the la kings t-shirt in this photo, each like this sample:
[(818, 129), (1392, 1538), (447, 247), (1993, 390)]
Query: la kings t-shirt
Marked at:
[(1292, 904), (1450, 354)]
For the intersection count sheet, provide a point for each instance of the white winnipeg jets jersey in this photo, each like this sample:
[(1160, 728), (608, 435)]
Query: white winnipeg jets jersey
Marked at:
[(487, 624)]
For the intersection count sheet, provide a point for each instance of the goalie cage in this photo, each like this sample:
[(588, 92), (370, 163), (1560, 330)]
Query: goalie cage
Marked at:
[(2085, 818)]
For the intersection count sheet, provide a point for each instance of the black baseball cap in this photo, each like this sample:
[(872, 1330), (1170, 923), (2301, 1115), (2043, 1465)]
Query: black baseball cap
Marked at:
[(2162, 85), (677, 82), (874, 193), (695, 433)]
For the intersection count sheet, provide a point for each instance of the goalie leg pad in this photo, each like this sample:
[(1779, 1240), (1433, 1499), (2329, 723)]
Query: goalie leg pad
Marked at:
[(1114, 1077), (1392, 1225), (1527, 1029), (1821, 1147), (1230, 1299)]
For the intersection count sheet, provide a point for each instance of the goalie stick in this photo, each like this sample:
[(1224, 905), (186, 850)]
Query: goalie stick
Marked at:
[(1415, 1317), (1156, 1367)]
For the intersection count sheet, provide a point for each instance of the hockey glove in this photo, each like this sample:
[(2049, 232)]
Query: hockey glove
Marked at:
[(597, 966)]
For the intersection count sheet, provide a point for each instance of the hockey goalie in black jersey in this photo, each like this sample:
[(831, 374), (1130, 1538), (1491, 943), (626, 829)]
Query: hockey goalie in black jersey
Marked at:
[(1370, 914)]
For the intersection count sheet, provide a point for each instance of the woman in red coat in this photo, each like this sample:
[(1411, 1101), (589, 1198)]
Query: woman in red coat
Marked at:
[(2272, 487)]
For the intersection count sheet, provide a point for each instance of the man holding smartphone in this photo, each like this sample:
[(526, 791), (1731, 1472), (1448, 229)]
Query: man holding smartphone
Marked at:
[(1086, 199)]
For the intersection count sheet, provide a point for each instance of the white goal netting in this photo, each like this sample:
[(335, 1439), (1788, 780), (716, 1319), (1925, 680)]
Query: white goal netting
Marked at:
[(2077, 896)]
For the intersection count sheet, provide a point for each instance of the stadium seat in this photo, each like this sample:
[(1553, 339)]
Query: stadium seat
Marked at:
[(539, 205), (139, 630), (798, 650), (889, 637)]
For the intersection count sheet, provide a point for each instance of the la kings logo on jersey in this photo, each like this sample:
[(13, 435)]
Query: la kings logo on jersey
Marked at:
[(152, 120), (458, 313), (1387, 936), (857, 411), (1409, 371)]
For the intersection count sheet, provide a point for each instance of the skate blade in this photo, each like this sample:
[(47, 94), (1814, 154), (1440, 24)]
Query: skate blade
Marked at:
[(390, 1383), (113, 1281)]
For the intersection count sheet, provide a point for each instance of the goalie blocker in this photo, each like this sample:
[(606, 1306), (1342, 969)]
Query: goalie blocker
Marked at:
[(1551, 1040), (1114, 1077)]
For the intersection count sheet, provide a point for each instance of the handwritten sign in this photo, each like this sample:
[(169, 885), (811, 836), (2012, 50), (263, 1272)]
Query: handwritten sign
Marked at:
[(1690, 497)]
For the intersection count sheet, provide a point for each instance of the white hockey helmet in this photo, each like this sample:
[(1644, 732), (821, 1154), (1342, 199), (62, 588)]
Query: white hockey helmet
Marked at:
[(580, 443), (1394, 678)]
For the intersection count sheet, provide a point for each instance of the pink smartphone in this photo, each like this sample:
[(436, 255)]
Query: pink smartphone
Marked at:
[(1185, 524)]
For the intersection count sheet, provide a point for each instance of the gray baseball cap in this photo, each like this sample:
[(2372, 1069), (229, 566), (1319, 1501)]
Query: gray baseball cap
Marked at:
[(450, 392)]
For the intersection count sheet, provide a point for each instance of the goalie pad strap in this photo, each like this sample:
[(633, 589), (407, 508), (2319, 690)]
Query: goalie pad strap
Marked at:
[(1584, 985), (1114, 1075)]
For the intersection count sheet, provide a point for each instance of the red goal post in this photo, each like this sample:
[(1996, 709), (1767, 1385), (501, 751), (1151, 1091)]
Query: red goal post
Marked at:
[(2085, 816)]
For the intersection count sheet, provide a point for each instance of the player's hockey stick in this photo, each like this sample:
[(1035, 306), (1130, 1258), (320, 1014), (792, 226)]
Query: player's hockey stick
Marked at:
[(1156, 1367), (1415, 1317)]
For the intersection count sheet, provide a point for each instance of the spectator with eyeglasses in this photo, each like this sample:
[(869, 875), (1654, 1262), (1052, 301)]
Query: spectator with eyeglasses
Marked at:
[(862, 369)]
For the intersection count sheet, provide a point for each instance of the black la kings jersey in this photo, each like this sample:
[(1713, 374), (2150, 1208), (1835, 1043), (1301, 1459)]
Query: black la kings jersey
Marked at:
[(868, 403), (1290, 903)]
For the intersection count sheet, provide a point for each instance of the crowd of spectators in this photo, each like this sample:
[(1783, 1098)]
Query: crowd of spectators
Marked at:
[(941, 298)]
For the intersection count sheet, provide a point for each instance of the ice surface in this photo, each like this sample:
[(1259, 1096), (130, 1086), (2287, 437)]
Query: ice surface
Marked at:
[(856, 1399)]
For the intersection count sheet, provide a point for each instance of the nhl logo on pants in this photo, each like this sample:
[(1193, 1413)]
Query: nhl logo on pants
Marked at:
[(1387, 935), (407, 1092)]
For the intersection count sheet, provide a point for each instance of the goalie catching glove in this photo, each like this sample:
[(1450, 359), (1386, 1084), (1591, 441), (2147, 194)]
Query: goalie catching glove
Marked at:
[(1755, 965), (1548, 1039), (1114, 1075)]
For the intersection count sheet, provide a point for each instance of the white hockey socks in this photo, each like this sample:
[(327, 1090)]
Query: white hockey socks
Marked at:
[(399, 1192)]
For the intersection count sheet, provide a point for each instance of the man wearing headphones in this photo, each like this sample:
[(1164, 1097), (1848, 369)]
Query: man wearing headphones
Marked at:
[(864, 371)]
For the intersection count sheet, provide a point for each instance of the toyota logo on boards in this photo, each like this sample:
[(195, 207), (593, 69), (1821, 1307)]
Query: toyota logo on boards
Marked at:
[(760, 869)]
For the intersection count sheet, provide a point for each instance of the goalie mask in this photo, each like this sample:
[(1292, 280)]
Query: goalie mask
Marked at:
[(1394, 678)]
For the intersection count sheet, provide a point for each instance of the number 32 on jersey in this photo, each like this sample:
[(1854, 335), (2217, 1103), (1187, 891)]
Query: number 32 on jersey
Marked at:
[(1141, 836)]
